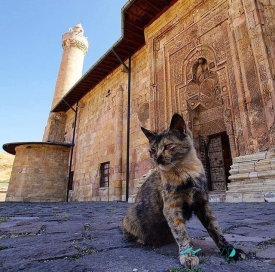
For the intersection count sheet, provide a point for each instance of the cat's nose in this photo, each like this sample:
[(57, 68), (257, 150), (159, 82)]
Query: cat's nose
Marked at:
[(160, 160)]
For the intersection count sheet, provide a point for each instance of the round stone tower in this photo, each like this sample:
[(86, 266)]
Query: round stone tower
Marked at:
[(75, 47)]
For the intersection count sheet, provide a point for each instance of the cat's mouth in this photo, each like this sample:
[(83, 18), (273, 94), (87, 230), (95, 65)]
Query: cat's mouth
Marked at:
[(165, 167), (163, 163)]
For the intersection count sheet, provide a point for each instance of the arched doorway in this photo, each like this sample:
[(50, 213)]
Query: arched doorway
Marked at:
[(205, 110)]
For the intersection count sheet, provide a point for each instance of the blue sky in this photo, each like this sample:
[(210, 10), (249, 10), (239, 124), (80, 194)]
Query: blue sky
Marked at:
[(30, 51)]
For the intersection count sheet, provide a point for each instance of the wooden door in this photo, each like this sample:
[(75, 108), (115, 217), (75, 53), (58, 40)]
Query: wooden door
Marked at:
[(205, 161), (216, 161)]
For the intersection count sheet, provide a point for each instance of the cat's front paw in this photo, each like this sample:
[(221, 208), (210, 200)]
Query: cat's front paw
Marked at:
[(240, 255), (189, 261), (231, 253)]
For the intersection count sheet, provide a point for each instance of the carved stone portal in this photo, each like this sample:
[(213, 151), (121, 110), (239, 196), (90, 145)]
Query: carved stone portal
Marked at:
[(203, 107)]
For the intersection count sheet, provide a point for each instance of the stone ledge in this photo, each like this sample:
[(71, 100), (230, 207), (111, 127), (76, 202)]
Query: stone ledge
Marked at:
[(253, 175), (240, 176), (250, 197), (252, 157)]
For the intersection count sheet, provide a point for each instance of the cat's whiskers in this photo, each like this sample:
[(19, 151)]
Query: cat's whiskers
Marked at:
[(175, 167)]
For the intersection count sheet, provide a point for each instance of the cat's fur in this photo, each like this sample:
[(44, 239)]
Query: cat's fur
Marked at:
[(173, 191)]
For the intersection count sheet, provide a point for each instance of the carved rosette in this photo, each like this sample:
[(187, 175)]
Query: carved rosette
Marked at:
[(75, 43)]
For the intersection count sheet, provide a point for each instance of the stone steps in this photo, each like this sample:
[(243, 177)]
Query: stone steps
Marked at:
[(251, 191), (216, 196), (252, 178)]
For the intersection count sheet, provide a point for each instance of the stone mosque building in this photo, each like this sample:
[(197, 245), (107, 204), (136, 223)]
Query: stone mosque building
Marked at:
[(213, 61)]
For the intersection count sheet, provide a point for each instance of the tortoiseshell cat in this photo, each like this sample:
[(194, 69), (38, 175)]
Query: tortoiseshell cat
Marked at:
[(171, 193)]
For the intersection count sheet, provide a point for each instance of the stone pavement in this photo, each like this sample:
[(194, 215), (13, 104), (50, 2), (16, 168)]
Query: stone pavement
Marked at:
[(86, 236)]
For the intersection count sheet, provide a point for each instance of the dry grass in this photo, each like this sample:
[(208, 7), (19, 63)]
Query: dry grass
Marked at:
[(6, 161)]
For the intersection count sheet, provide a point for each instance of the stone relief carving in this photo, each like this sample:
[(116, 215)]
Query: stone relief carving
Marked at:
[(75, 43), (204, 94), (143, 112), (203, 90)]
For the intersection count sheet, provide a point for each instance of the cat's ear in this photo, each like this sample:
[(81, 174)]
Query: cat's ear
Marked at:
[(149, 134), (177, 123)]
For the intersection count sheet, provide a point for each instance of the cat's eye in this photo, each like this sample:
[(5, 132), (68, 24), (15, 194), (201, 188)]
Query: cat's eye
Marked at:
[(152, 150), (168, 146)]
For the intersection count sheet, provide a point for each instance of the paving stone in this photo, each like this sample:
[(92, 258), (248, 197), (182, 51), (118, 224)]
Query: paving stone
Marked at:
[(86, 236)]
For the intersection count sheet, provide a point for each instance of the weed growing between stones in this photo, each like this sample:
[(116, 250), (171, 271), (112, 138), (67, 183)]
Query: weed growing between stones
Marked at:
[(265, 244), (22, 234), (194, 269), (62, 216), (82, 250), (76, 256), (4, 219)]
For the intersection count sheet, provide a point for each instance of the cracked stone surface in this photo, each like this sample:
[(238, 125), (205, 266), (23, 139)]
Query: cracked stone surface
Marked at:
[(86, 236)]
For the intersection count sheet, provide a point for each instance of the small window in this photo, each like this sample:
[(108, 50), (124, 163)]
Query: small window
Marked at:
[(104, 174)]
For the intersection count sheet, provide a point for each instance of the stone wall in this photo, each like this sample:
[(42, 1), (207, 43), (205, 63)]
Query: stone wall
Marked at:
[(101, 134), (39, 173)]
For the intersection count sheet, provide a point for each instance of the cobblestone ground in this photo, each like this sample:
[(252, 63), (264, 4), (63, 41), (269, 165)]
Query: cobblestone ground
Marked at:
[(86, 236)]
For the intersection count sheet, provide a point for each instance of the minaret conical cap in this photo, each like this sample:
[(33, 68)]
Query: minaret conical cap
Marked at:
[(78, 28)]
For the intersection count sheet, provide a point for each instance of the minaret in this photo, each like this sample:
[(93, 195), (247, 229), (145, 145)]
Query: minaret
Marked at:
[(75, 47)]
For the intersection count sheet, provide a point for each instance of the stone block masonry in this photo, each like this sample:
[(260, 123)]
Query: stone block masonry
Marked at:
[(252, 178), (39, 173)]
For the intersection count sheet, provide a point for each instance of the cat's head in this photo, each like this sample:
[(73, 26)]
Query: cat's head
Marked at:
[(169, 147)]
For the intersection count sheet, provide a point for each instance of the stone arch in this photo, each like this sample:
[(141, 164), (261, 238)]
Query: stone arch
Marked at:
[(201, 52)]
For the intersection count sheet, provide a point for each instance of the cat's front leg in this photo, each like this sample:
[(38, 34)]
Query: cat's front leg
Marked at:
[(173, 213), (207, 218)]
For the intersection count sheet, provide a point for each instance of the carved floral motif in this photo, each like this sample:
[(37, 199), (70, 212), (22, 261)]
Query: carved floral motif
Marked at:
[(75, 43)]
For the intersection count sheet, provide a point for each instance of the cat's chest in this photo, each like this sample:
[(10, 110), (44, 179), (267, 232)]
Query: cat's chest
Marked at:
[(179, 187), (174, 195)]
